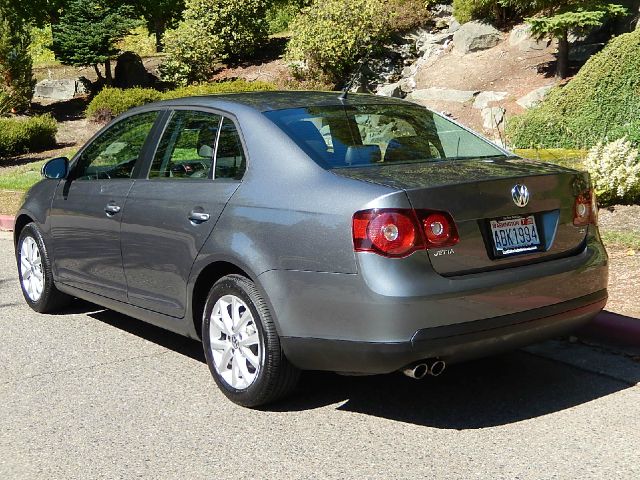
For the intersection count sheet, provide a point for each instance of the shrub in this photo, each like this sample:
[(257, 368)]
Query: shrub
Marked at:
[(18, 135), (212, 31), (615, 171), (601, 103), (332, 35), (111, 102), (500, 11), (405, 15), (281, 13)]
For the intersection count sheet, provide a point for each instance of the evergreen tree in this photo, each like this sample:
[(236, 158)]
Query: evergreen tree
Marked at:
[(16, 77), (88, 32), (572, 16)]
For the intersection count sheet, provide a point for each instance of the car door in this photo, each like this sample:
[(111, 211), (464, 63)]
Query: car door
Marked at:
[(87, 207), (195, 170)]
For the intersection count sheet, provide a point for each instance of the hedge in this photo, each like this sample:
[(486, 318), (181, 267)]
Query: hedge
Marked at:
[(23, 135), (601, 103), (111, 102)]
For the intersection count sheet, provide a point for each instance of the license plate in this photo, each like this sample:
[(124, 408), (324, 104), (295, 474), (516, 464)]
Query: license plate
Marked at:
[(515, 235)]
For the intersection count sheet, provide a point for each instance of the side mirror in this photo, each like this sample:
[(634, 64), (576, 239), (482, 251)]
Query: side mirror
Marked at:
[(56, 169)]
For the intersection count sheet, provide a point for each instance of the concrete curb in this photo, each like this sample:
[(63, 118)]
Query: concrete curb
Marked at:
[(612, 328), (6, 223)]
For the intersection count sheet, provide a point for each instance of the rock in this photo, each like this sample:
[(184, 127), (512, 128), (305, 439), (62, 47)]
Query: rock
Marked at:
[(391, 90), (485, 98), (520, 37), (492, 117), (454, 26), (408, 85), (427, 40), (439, 94), (475, 36), (64, 89), (533, 98), (582, 53), (130, 72), (442, 10)]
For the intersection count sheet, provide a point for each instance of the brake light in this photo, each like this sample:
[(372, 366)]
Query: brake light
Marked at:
[(400, 232), (585, 209)]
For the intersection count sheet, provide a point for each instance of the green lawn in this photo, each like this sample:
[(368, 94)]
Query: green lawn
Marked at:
[(20, 178), (558, 156)]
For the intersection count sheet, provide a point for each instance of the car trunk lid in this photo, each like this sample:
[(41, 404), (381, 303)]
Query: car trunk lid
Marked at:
[(478, 193)]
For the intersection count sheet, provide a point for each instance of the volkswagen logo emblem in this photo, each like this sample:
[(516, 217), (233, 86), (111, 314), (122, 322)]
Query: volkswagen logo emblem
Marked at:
[(520, 195)]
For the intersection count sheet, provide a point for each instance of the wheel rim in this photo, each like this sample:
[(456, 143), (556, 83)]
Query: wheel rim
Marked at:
[(31, 269), (235, 342)]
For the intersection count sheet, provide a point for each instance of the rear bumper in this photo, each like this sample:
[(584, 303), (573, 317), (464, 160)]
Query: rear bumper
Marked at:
[(394, 312), (453, 343)]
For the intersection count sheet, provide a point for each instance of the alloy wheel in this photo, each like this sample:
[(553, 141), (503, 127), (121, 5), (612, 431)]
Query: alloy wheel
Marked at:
[(31, 272), (235, 342)]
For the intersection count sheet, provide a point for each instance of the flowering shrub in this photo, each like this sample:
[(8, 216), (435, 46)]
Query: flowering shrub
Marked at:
[(615, 171)]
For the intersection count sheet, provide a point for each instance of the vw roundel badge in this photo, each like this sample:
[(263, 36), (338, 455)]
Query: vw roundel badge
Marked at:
[(520, 195)]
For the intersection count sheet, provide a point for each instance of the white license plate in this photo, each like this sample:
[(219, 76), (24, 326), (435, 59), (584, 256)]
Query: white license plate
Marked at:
[(515, 235)]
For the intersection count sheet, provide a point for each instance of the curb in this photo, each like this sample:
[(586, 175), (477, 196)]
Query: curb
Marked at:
[(6, 223), (613, 328)]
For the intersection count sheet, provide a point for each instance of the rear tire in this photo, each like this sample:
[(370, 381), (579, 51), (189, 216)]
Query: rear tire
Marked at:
[(242, 347), (34, 271)]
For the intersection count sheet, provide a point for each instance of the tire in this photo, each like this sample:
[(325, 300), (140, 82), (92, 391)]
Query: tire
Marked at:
[(259, 372), (35, 274)]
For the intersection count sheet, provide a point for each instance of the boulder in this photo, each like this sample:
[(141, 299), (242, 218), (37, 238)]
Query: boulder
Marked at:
[(130, 72), (408, 85), (485, 98), (454, 26), (492, 117), (426, 40), (520, 38), (439, 94), (533, 98), (390, 90), (63, 89), (475, 36)]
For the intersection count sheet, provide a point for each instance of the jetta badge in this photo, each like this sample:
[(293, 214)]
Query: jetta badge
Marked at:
[(520, 195)]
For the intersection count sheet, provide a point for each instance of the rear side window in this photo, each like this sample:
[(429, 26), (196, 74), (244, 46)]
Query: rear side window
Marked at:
[(115, 152), (187, 146), (230, 157), (370, 135)]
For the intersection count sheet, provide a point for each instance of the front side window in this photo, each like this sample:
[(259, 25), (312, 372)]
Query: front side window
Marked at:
[(114, 153), (368, 135), (187, 147)]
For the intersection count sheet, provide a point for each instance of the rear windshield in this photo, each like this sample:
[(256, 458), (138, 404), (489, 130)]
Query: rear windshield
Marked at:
[(369, 135)]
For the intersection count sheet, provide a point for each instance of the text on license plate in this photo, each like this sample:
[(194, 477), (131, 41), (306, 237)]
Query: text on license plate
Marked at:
[(516, 235)]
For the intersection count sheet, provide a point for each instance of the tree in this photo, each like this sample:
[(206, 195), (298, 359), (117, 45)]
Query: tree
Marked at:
[(159, 15), (16, 77), (213, 31), (573, 16), (88, 32)]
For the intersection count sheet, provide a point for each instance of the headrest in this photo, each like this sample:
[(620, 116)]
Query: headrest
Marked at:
[(362, 155)]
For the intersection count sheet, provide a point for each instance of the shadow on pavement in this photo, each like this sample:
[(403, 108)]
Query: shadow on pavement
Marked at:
[(485, 393)]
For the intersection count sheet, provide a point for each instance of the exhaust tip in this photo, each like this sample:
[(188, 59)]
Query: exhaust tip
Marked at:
[(437, 368), (417, 372)]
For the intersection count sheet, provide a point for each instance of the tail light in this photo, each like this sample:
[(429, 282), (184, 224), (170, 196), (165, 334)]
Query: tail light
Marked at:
[(585, 209), (400, 232)]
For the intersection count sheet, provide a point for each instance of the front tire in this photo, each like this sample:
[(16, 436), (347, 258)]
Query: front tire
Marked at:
[(241, 345), (34, 271)]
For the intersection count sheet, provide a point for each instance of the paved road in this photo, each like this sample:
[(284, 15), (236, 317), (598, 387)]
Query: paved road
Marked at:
[(93, 394)]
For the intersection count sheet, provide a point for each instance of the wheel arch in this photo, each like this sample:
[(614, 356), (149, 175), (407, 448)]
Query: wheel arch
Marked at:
[(22, 220), (205, 279)]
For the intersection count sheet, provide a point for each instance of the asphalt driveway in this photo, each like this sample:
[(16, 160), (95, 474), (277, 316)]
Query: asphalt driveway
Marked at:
[(94, 394)]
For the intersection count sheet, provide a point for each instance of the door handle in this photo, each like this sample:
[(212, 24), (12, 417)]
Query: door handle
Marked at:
[(199, 217), (112, 209)]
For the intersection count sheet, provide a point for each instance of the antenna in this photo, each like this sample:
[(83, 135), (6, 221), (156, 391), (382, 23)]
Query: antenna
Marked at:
[(345, 90)]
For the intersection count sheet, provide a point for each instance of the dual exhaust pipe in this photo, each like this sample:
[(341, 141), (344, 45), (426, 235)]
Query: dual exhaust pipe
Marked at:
[(419, 370)]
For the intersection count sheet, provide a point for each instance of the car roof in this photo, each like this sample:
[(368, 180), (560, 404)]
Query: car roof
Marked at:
[(279, 100)]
